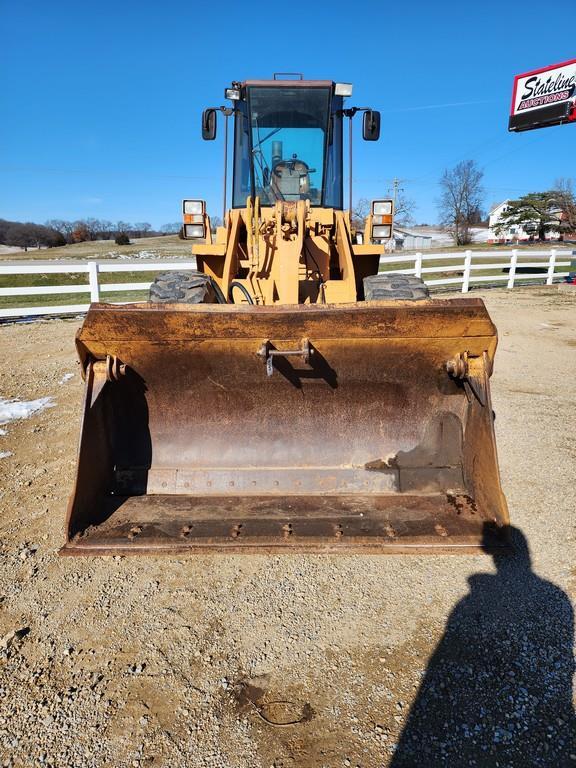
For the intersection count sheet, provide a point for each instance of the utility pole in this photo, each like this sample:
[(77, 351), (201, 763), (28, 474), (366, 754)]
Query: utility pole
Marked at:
[(396, 188)]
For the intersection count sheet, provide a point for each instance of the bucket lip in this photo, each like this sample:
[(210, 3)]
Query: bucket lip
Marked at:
[(423, 305), (107, 327)]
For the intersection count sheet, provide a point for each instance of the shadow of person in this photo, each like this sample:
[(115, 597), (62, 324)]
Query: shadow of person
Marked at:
[(498, 688)]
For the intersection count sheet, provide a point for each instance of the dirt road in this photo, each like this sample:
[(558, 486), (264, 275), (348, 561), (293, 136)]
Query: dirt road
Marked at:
[(400, 661)]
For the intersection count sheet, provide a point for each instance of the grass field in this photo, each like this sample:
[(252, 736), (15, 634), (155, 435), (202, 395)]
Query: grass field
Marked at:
[(167, 246)]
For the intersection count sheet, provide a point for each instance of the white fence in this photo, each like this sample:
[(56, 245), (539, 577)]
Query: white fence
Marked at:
[(450, 269), (505, 266), (94, 286)]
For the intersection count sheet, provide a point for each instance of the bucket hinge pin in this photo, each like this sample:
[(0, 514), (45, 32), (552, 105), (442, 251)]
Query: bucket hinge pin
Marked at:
[(472, 371), (114, 368)]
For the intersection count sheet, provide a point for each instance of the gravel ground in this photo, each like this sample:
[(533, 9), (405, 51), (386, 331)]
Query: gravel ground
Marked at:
[(376, 660)]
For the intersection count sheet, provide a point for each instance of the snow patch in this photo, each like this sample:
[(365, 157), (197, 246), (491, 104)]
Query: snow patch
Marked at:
[(66, 377), (15, 409), (5, 454), (136, 255), (3, 432)]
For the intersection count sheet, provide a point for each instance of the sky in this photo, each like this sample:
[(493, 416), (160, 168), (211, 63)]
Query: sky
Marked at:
[(101, 102)]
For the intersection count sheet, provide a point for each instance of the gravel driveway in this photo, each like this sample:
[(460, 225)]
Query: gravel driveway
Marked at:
[(294, 661)]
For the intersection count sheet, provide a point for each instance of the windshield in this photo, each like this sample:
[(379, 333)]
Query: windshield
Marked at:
[(284, 133)]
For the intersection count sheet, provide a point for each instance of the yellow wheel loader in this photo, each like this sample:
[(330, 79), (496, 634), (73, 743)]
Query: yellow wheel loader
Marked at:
[(286, 396)]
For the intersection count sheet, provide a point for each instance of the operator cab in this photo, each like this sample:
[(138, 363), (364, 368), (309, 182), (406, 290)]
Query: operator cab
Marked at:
[(288, 143), (288, 140)]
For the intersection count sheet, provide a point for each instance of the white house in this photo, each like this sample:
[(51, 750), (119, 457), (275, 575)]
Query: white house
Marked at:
[(515, 232)]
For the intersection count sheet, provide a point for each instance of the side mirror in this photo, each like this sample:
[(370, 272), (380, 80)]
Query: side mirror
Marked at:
[(209, 124), (371, 125)]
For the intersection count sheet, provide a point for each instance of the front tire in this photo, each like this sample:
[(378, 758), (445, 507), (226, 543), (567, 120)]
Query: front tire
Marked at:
[(384, 287), (182, 288)]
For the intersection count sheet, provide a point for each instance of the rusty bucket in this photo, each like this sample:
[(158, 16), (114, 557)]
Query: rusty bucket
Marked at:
[(327, 428)]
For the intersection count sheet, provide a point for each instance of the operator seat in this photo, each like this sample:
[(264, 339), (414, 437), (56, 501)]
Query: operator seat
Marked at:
[(291, 179)]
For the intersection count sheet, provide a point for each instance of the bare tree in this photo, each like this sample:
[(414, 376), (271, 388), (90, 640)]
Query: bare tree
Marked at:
[(64, 227), (461, 200), (141, 228), (123, 226), (565, 199), (359, 212), (171, 229), (404, 209)]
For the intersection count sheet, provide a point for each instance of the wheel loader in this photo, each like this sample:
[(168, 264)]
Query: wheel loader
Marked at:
[(286, 396)]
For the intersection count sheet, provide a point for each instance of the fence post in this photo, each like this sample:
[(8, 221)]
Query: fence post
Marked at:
[(93, 280), (467, 265), (512, 268), (418, 265), (551, 266)]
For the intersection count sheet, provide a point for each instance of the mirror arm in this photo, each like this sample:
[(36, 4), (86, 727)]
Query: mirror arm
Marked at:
[(349, 113)]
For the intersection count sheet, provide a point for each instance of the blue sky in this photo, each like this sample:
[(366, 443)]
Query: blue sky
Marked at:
[(101, 102)]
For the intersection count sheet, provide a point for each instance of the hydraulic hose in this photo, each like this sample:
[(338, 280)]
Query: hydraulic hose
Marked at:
[(220, 298), (236, 284)]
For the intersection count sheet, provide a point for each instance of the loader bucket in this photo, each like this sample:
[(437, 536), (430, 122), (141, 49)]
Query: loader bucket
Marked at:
[(329, 428)]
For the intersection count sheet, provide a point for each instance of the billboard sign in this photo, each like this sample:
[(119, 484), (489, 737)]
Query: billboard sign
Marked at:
[(544, 97)]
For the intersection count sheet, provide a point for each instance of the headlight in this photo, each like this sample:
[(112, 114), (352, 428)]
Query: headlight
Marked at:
[(382, 232), (194, 231), (382, 207), (193, 206), (382, 219)]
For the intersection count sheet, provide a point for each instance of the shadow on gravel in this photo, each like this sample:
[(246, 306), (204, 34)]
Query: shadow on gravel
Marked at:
[(498, 688)]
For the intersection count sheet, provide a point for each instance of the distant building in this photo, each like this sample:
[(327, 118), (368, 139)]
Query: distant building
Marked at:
[(404, 240), (515, 232)]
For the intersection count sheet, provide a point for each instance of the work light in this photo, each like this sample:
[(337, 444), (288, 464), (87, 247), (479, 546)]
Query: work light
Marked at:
[(382, 232), (194, 231), (343, 89), (193, 206), (194, 221), (382, 207), (382, 217)]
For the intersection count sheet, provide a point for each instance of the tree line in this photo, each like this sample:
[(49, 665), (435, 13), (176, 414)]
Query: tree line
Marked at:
[(57, 232)]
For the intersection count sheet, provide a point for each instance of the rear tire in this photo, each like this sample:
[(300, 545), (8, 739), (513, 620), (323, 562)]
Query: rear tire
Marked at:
[(383, 287), (182, 288)]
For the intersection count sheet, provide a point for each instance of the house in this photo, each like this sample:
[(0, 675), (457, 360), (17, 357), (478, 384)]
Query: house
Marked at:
[(515, 232)]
